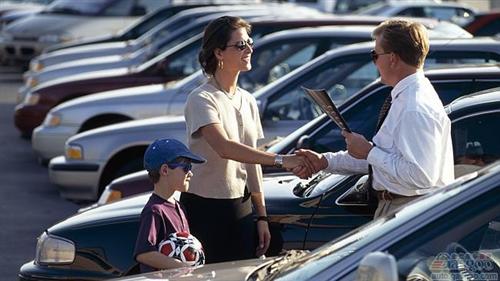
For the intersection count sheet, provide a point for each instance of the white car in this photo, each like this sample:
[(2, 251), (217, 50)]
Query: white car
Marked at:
[(66, 20), (93, 158), (291, 49)]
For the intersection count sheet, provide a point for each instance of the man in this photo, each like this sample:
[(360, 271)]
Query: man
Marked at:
[(411, 153)]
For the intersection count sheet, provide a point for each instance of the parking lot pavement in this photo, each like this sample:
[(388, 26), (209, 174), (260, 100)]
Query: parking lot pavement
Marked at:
[(28, 202)]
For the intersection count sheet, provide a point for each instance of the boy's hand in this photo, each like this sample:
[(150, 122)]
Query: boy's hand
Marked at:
[(264, 238)]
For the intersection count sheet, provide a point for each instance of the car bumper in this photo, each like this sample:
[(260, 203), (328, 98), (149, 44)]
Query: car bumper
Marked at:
[(77, 180), (30, 271), (28, 117), (22, 50), (48, 142)]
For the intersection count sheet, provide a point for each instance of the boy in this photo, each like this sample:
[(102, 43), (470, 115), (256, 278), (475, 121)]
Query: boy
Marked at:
[(168, 163)]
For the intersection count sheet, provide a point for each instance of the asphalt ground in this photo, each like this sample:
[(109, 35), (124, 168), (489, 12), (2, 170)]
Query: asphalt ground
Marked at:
[(29, 203)]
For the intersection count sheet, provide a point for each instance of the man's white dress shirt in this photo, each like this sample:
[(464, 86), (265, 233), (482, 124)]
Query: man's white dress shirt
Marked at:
[(413, 151)]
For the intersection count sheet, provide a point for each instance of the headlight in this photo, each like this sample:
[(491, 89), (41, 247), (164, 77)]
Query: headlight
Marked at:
[(52, 120), (109, 196), (31, 99), (51, 249), (53, 38), (74, 151), (31, 82)]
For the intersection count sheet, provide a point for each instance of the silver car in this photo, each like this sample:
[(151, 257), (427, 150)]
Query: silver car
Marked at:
[(66, 20), (93, 158), (291, 48)]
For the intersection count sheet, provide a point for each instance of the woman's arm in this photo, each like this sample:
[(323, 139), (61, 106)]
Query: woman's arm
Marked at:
[(259, 206)]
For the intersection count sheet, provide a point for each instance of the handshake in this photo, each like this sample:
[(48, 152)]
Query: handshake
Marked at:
[(304, 163)]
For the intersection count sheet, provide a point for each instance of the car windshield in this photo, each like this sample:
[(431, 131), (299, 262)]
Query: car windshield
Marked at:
[(81, 7), (304, 267)]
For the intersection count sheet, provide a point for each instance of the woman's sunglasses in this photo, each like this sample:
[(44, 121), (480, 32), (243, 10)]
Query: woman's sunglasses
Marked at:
[(375, 56), (242, 45), (186, 167)]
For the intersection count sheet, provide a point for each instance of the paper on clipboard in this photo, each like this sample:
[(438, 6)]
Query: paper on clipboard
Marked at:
[(326, 104)]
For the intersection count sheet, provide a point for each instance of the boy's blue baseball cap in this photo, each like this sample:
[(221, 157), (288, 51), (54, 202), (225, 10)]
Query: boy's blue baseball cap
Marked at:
[(163, 151)]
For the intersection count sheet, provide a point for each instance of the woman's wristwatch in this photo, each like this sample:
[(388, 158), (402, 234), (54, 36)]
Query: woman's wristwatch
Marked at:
[(278, 161)]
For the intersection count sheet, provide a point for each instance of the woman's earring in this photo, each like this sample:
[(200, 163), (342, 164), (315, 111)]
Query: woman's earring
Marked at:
[(221, 65)]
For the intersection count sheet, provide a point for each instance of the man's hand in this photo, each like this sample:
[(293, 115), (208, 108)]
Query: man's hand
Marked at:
[(357, 146), (300, 165), (317, 162), (264, 238)]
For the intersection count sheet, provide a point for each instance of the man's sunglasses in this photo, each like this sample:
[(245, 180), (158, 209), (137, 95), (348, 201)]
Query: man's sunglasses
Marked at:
[(186, 167), (242, 45), (375, 56)]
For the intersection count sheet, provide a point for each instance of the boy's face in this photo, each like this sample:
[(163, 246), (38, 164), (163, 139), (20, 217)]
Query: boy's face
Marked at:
[(178, 177)]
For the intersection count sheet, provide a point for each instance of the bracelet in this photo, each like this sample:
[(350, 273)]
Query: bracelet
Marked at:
[(263, 218)]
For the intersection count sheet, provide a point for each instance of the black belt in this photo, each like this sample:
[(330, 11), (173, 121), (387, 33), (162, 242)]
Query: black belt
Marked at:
[(387, 196)]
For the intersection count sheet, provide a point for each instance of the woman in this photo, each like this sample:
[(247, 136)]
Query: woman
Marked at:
[(223, 126)]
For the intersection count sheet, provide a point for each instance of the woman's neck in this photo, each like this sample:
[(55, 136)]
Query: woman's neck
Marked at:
[(227, 81)]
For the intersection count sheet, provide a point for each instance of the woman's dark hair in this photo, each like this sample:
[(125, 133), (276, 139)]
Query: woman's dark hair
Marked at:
[(217, 34)]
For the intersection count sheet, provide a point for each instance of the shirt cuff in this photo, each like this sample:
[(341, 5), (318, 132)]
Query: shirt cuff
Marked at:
[(329, 159), (376, 157)]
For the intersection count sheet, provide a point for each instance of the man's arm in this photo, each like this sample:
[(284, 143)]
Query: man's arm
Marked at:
[(159, 261), (420, 145)]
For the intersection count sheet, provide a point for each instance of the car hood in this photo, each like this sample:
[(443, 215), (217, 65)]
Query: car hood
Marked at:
[(230, 271), (84, 76), (144, 126), (77, 26), (133, 95)]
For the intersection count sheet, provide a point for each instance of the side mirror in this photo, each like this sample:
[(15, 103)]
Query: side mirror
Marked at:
[(303, 142), (377, 266)]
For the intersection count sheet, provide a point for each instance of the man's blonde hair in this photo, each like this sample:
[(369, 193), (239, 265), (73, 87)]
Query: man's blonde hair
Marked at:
[(407, 39)]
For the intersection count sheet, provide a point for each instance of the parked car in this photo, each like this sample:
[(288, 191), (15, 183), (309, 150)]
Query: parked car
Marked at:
[(304, 214), (322, 135), (94, 158), (166, 31), (168, 66), (12, 10), (450, 235), (132, 31), (454, 12), (484, 24), (274, 56), (66, 20)]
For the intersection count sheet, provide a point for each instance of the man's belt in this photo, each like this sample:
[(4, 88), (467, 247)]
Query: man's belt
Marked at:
[(387, 196)]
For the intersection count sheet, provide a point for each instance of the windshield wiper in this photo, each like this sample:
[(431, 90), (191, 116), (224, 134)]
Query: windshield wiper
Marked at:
[(302, 189), (272, 270)]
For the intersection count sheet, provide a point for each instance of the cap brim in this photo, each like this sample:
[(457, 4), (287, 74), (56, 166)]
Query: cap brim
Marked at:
[(194, 158)]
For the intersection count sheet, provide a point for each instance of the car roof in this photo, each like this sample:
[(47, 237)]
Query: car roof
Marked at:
[(485, 100)]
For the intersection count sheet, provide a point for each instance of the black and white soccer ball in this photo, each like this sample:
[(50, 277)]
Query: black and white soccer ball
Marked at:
[(184, 247)]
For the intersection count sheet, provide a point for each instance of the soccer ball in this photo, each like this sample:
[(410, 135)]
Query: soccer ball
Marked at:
[(183, 246)]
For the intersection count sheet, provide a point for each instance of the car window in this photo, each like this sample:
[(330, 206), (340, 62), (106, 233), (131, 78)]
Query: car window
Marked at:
[(119, 8), (473, 143), (293, 104), (412, 12), (465, 242), (184, 62), (277, 60), (87, 7)]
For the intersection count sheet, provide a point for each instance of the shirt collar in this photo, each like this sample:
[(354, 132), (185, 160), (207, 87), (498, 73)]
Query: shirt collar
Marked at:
[(405, 82)]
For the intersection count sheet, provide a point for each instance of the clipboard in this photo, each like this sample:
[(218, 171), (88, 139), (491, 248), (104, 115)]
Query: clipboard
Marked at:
[(323, 100)]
